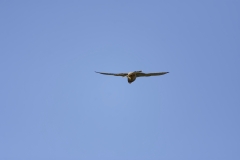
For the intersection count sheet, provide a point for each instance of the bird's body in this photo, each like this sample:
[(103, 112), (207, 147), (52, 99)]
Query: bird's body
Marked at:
[(131, 76)]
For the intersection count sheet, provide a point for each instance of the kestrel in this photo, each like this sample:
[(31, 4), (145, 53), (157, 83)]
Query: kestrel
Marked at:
[(131, 76)]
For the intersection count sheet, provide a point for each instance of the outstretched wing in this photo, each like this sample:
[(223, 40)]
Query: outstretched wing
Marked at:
[(150, 74), (113, 74)]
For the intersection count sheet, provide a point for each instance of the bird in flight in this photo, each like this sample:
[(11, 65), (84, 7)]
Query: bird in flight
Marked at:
[(131, 76)]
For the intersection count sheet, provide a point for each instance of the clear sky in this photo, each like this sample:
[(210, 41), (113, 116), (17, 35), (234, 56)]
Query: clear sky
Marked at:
[(54, 106)]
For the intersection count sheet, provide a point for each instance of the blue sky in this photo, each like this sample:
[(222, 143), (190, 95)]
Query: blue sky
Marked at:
[(53, 105)]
